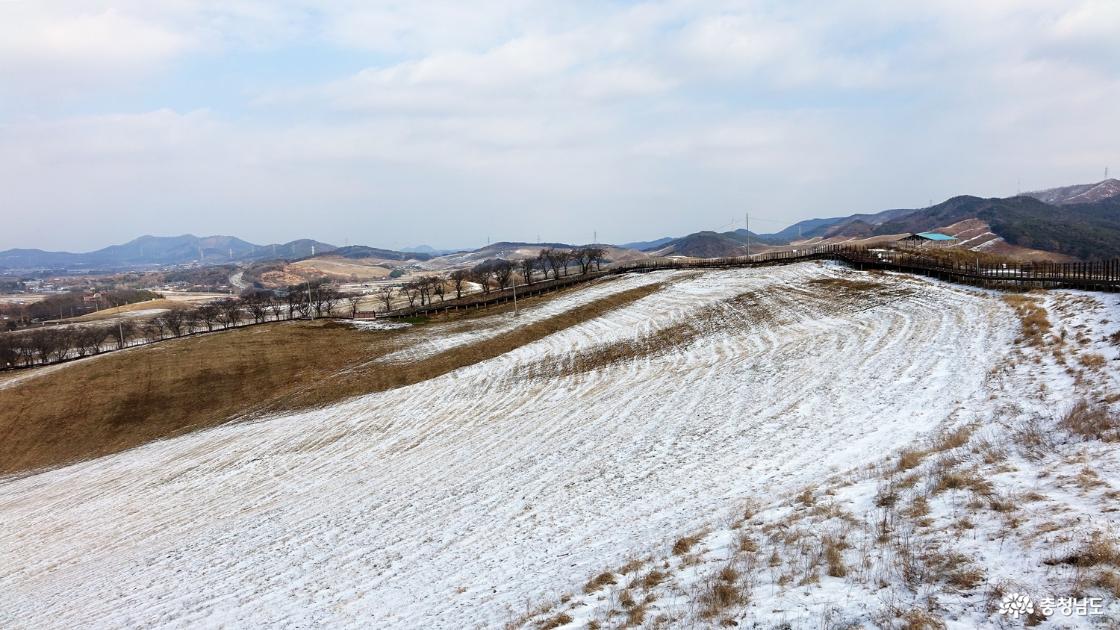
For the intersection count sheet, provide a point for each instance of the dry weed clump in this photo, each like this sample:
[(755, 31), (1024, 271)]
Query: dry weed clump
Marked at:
[(1109, 580), (652, 579), (908, 459), (721, 592), (1033, 319), (1096, 550), (952, 439), (953, 479), (919, 619), (834, 556), (1092, 360), (562, 619), (1093, 421), (605, 578), (684, 545)]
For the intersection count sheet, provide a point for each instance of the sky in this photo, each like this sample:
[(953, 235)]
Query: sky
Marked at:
[(451, 123)]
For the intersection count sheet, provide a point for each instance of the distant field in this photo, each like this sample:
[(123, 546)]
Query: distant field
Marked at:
[(21, 298)]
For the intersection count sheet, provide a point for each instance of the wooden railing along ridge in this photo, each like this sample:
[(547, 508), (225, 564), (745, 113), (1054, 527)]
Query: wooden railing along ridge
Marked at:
[(1103, 275)]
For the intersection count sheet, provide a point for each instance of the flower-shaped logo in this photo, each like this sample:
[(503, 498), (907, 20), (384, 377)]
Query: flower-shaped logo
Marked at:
[(1015, 605)]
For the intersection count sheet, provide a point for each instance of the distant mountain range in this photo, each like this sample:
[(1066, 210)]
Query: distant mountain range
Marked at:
[(1081, 221), (162, 250)]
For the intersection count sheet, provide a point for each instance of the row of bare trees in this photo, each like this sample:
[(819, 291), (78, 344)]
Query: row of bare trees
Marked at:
[(496, 274), (59, 343)]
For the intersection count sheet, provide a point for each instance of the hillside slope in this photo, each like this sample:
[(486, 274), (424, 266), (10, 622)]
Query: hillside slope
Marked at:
[(1080, 193), (458, 501)]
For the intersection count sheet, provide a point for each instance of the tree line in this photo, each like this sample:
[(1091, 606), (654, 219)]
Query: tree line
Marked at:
[(495, 274), (72, 303), (52, 344)]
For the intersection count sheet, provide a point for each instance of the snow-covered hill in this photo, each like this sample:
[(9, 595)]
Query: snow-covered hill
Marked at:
[(466, 500)]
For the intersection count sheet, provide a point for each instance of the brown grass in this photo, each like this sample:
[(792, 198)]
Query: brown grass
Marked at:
[(657, 343), (1096, 550), (1094, 421), (910, 459), (653, 578), (562, 619), (834, 557), (599, 581), (721, 593), (846, 284), (1092, 360), (124, 399), (129, 308), (1033, 319), (963, 480), (1108, 580), (684, 545)]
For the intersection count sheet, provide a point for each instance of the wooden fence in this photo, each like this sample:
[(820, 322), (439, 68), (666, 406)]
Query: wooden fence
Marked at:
[(1101, 275)]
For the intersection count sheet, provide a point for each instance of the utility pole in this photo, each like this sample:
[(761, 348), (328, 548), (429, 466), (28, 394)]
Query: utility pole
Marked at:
[(747, 222), (310, 310), (515, 297)]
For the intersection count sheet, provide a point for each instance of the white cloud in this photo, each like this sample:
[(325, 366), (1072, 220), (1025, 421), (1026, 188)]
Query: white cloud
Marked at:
[(540, 110)]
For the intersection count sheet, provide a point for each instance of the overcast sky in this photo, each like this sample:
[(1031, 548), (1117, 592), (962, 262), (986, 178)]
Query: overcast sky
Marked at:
[(447, 123)]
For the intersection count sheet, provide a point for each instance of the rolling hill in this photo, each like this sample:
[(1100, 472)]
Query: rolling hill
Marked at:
[(1080, 221), (1079, 193)]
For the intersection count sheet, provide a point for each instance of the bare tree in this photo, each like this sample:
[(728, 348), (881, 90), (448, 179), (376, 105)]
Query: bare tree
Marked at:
[(386, 295), (62, 344), (89, 339), (276, 305), (42, 343), (582, 257), (353, 300), (503, 272), (458, 277), (481, 274), (328, 298), (527, 265), (438, 287), (555, 259), (256, 302), (229, 312), (124, 331), (208, 315), (174, 320), (411, 291), (8, 352), (597, 254), (24, 348), (154, 329), (294, 298), (564, 258)]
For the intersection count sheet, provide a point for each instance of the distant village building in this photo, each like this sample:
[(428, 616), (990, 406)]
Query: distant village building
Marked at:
[(928, 238)]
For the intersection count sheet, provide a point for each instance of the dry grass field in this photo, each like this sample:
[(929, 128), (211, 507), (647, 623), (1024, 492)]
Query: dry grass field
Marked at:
[(121, 400)]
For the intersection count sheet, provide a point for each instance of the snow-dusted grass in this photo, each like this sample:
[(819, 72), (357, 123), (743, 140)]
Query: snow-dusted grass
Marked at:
[(486, 494), (1019, 495)]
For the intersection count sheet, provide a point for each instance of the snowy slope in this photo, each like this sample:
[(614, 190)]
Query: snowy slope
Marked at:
[(457, 502)]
